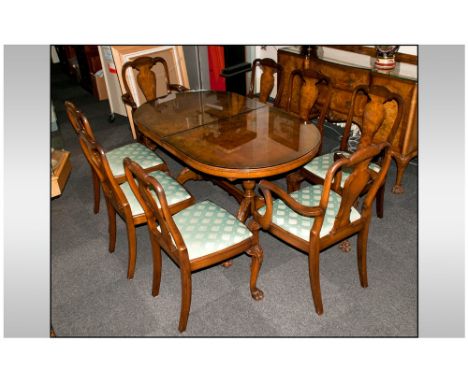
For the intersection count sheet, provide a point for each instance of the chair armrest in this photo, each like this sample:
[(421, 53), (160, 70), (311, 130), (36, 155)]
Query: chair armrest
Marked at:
[(128, 99), (268, 188), (177, 88)]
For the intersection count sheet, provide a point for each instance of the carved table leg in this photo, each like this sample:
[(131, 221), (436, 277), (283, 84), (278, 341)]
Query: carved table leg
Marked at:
[(187, 174), (294, 180), (257, 258), (249, 200), (247, 203), (144, 140)]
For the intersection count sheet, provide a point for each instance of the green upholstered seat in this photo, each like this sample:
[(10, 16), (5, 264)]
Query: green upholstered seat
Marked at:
[(136, 152), (175, 192), (320, 165), (207, 228), (299, 225)]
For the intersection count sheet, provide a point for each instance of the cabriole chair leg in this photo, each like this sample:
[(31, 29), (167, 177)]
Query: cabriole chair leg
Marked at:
[(186, 279), (314, 276)]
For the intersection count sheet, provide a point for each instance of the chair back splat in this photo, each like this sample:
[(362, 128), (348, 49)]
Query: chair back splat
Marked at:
[(267, 81), (146, 80), (311, 83), (377, 111)]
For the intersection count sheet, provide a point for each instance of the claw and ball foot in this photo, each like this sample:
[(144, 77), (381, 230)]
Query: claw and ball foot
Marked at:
[(257, 294), (345, 246)]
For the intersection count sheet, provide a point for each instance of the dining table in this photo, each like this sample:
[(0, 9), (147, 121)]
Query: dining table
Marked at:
[(228, 138)]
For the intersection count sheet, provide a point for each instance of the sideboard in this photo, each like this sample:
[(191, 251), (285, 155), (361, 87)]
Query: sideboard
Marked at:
[(344, 78)]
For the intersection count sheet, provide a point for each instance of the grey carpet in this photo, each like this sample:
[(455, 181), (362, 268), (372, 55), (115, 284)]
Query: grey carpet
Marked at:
[(91, 296)]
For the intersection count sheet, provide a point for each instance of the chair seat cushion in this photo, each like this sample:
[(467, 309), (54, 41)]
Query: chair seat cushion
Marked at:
[(136, 152), (299, 225), (174, 191), (320, 165), (207, 228)]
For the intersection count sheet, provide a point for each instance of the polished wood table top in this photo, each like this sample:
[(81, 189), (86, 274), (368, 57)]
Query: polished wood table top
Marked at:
[(228, 135)]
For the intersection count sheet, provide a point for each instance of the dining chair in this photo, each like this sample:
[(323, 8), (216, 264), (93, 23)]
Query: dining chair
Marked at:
[(373, 108), (197, 237), (121, 200), (146, 80), (147, 158), (317, 216), (267, 80)]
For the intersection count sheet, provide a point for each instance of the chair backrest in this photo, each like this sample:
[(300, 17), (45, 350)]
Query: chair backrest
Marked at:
[(360, 177), (146, 78), (96, 157), (78, 120), (309, 92), (267, 81), (379, 115), (159, 219)]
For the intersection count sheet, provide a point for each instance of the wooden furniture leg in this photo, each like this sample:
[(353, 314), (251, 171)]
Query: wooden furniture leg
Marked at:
[(257, 258), (379, 201), (294, 180), (112, 225), (187, 174), (97, 192), (186, 280), (245, 207), (362, 255), (249, 200), (402, 163)]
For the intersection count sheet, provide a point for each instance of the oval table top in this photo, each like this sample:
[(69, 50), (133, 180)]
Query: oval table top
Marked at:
[(228, 135)]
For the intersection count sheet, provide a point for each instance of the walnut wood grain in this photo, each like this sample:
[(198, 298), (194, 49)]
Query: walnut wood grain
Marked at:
[(267, 81), (225, 135), (256, 142)]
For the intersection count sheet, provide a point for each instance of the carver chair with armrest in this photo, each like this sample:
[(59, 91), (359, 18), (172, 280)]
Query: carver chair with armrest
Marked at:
[(146, 80), (138, 152), (120, 198), (317, 216), (376, 110), (197, 237), (312, 86), (267, 80)]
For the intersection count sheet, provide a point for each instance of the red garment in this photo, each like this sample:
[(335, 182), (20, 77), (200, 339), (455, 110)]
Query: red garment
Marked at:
[(216, 64)]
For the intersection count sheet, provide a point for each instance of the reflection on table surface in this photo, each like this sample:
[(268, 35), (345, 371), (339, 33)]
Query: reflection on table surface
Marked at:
[(263, 137), (191, 109)]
